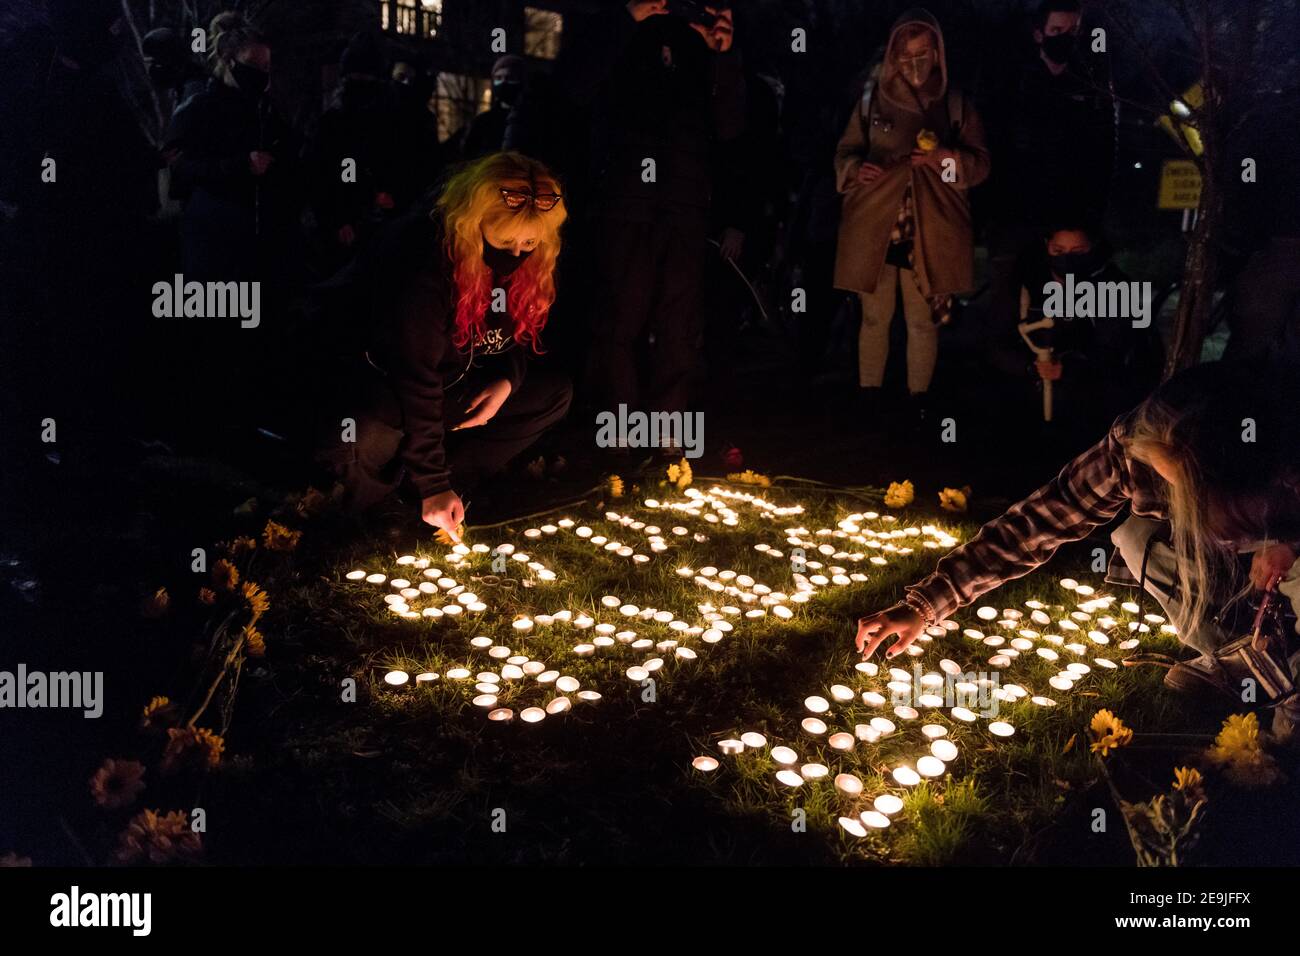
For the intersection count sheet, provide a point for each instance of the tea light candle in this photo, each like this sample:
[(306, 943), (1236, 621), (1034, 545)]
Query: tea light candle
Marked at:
[(945, 750), (458, 673), (730, 747), (841, 693), (356, 575), (784, 755), (930, 766), (789, 778), (882, 725), (396, 678), (426, 678), (887, 804), (512, 672), (987, 613), (376, 578), (584, 650), (532, 715), (1001, 728), (501, 714), (963, 713), (848, 784), (637, 673), (485, 700), (705, 764), (904, 712), (934, 731), (818, 705), (813, 725), (841, 741), (906, 776), (590, 696), (753, 740), (559, 705), (500, 652), (814, 771)]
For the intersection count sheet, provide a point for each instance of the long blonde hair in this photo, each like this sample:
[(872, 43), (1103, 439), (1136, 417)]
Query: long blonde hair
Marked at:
[(1224, 432), (472, 200)]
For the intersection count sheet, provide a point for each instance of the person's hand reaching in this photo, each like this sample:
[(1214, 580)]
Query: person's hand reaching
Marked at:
[(899, 619)]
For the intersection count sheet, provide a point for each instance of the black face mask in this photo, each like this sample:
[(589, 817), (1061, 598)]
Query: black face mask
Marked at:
[(506, 92), (1078, 264), (1059, 48), (502, 262), (250, 80)]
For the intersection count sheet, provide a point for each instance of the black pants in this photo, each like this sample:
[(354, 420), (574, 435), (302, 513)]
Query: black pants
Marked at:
[(370, 468), (649, 278)]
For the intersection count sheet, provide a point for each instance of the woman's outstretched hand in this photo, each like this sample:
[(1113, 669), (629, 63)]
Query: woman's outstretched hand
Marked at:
[(899, 619)]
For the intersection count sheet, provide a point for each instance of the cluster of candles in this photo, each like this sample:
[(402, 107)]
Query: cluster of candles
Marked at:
[(937, 752)]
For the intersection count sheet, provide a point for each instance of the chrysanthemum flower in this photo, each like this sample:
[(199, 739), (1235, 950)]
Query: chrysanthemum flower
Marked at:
[(155, 837), (117, 783), (899, 494)]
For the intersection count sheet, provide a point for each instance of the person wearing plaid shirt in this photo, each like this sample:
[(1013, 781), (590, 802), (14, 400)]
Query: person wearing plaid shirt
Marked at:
[(1251, 505)]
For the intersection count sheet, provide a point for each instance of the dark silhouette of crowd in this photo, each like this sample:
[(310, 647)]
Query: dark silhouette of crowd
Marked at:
[(711, 198)]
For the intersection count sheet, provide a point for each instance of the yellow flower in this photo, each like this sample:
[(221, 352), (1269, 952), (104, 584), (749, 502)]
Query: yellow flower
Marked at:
[(899, 494), (117, 783), (207, 596), (1108, 732), (1188, 779), (155, 605), (158, 713), (748, 477), (615, 486), (277, 537), (954, 499), (155, 837), (257, 600), (312, 503), (225, 575), (242, 545), (1237, 749), (680, 474), (442, 537), (254, 643), (192, 746)]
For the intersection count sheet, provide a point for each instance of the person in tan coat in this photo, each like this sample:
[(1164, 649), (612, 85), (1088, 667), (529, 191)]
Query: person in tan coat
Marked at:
[(912, 150)]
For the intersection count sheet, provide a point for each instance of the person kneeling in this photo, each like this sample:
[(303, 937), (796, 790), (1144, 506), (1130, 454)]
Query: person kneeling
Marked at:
[(1214, 509), (442, 395)]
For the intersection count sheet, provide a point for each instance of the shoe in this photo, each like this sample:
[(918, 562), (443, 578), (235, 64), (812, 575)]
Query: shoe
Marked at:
[(1198, 677)]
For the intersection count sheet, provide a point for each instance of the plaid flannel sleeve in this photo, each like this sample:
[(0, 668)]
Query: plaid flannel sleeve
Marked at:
[(1090, 491)]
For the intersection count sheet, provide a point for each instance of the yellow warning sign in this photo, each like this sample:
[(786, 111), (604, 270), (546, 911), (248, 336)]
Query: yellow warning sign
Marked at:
[(1180, 185)]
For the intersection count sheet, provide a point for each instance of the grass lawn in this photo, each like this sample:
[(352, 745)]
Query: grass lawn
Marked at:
[(419, 774)]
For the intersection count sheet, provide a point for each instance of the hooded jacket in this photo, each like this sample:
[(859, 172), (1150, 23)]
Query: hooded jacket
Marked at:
[(883, 130)]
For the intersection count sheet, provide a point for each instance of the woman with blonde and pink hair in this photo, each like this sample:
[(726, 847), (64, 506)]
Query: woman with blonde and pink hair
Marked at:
[(445, 396)]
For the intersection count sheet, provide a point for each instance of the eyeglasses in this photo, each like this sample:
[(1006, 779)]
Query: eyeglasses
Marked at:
[(518, 198)]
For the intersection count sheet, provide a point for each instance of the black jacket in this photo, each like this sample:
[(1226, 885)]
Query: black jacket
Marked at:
[(657, 92), (409, 340)]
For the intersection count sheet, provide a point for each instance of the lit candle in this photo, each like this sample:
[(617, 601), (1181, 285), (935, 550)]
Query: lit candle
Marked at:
[(705, 764), (784, 755), (906, 776), (396, 678), (532, 715), (888, 804)]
